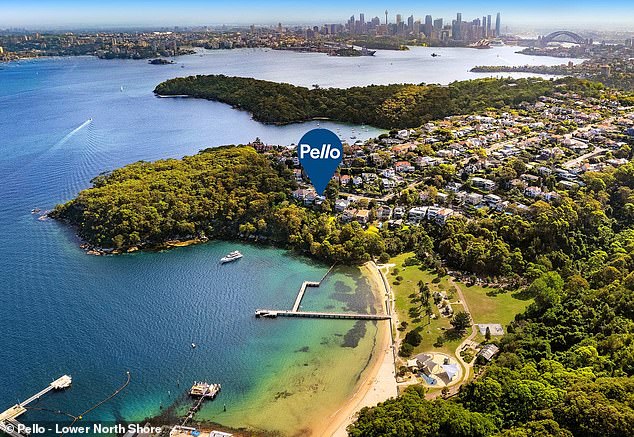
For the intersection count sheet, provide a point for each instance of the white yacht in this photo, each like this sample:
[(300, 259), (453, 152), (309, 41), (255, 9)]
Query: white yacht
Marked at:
[(233, 256)]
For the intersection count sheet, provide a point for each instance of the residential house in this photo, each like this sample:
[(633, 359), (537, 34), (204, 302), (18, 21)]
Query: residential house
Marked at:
[(439, 215), (388, 183), (297, 173), (345, 179), (482, 183), (362, 216), (403, 166), (388, 173), (384, 213), (533, 192), (492, 200), (474, 198), (341, 204), (417, 214)]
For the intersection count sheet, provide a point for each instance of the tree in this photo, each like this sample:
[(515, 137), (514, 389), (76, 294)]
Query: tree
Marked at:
[(461, 321), (410, 415), (547, 289), (487, 334), (413, 337)]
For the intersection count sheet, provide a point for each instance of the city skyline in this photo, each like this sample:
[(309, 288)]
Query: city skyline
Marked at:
[(72, 13)]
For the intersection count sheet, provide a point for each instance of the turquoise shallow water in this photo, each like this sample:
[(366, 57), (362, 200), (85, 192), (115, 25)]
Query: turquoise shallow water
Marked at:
[(63, 121)]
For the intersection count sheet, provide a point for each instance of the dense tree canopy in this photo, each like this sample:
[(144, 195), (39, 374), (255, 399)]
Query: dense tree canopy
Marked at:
[(387, 106), (224, 192)]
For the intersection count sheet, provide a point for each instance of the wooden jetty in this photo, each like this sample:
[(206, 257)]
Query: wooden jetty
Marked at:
[(203, 391), (295, 312), (272, 314), (8, 418), (300, 295)]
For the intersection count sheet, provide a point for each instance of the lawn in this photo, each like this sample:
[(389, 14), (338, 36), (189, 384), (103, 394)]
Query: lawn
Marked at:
[(490, 305), (405, 294), (487, 305)]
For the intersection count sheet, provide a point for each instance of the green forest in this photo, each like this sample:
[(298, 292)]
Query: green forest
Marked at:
[(226, 192), (566, 366), (385, 106)]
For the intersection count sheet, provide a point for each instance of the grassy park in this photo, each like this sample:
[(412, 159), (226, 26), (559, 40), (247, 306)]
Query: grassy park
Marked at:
[(486, 304)]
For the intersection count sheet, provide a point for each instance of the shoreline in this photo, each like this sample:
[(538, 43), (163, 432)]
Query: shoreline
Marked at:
[(379, 381)]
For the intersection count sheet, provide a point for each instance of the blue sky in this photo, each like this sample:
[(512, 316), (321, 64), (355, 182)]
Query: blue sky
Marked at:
[(567, 13)]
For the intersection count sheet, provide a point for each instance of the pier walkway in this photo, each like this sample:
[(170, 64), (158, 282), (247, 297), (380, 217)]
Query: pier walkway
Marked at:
[(295, 312), (300, 295), (318, 315), (8, 418)]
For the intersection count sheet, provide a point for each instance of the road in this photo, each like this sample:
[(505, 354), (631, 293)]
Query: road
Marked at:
[(468, 342)]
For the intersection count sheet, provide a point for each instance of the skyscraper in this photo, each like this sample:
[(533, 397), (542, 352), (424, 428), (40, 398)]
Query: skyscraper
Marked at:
[(429, 26), (386, 17), (498, 30), (489, 26), (438, 24), (410, 23), (456, 28)]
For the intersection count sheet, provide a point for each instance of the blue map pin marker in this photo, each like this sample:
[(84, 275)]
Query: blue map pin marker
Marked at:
[(320, 151)]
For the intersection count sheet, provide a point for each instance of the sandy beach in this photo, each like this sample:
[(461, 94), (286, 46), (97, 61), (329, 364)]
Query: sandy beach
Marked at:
[(379, 382)]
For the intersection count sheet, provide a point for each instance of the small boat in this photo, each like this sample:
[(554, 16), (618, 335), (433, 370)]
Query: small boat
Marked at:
[(434, 55), (233, 256), (193, 345), (353, 137)]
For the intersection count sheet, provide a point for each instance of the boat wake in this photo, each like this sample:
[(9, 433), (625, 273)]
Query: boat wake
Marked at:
[(71, 133)]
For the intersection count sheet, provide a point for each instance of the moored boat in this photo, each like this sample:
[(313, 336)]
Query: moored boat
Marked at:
[(233, 256)]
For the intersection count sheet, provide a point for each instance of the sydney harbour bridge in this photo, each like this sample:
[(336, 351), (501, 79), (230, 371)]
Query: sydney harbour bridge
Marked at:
[(563, 36)]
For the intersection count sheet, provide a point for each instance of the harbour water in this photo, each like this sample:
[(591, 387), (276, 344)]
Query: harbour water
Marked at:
[(62, 122)]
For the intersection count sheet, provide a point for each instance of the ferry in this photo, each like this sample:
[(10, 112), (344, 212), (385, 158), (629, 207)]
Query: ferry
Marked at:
[(233, 256)]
